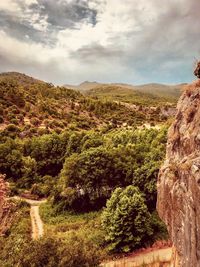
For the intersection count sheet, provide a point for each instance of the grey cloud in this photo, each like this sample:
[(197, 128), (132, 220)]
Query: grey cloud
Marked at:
[(96, 52), (62, 14), (165, 50), (58, 15), (21, 29)]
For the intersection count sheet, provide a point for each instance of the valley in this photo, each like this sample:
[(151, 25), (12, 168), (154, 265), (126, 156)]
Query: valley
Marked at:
[(77, 151), (83, 152)]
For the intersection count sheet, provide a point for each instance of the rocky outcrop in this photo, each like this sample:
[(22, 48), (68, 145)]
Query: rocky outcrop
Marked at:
[(197, 70), (5, 217), (179, 180)]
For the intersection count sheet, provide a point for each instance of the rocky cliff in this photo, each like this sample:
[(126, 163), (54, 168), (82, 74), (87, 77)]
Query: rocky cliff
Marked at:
[(179, 179)]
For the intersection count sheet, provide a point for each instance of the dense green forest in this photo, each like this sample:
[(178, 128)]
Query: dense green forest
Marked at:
[(96, 172)]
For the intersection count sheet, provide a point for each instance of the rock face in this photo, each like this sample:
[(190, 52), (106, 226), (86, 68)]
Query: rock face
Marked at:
[(197, 70), (179, 180)]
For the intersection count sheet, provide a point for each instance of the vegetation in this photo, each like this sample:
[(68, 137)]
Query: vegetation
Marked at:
[(16, 237), (126, 219), (17, 249), (117, 159), (29, 107), (80, 152)]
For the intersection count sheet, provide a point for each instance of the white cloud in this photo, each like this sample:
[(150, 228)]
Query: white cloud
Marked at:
[(30, 2), (131, 41), (9, 5)]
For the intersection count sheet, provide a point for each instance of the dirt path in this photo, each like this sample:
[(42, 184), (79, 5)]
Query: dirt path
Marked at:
[(36, 222), (157, 256)]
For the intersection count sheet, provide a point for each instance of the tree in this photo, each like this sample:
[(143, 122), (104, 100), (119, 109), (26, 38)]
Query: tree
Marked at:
[(126, 220), (48, 151), (94, 172), (11, 159)]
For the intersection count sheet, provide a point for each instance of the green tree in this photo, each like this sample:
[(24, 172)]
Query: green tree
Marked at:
[(11, 159), (48, 151), (126, 220)]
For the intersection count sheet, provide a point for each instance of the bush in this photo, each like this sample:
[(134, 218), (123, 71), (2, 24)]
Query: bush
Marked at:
[(12, 128), (51, 252), (44, 188), (126, 220), (43, 252), (76, 251), (14, 121), (34, 121), (42, 131)]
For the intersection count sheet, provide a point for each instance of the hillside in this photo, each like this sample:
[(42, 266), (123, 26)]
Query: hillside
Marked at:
[(21, 78), (147, 94), (32, 107)]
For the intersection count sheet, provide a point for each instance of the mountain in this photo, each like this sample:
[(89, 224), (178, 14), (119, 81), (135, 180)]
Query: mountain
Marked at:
[(161, 90), (20, 78), (148, 94), (178, 183), (84, 86)]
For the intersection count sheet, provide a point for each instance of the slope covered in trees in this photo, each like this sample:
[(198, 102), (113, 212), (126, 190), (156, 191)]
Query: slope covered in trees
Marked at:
[(31, 107)]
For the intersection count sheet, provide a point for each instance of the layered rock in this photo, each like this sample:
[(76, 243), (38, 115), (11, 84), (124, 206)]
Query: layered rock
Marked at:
[(179, 180)]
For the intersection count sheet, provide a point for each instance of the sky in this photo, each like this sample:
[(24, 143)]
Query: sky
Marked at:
[(128, 41)]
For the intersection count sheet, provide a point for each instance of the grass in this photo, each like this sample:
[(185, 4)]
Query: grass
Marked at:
[(15, 238), (62, 225), (50, 216)]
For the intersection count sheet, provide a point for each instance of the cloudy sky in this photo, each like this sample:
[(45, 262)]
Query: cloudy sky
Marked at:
[(70, 41)]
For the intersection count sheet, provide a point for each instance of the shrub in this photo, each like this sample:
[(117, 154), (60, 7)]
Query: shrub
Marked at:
[(27, 107), (26, 127), (35, 121), (77, 251), (51, 252), (12, 128), (126, 220), (42, 131), (11, 116), (44, 188), (33, 130), (14, 121)]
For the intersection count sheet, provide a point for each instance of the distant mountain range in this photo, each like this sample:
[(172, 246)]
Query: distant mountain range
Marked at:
[(130, 93), (152, 94)]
